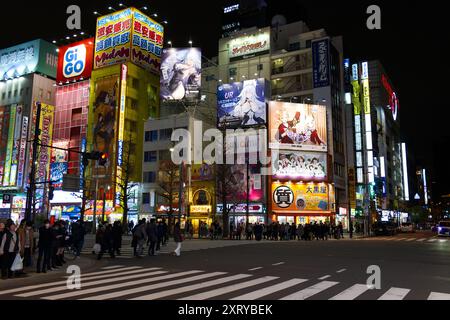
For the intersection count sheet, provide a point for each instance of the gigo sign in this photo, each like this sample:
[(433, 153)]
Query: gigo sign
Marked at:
[(75, 61)]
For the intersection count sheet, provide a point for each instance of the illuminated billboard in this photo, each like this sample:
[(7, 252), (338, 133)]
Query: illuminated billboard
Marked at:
[(181, 73), (298, 197), (75, 61), (297, 126), (46, 137), (295, 165), (249, 45), (321, 63), (128, 35), (236, 191), (33, 56), (242, 104), (9, 146)]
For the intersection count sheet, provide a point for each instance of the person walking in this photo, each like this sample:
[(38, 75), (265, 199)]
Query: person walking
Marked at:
[(160, 234), (130, 226), (78, 234), (26, 236), (351, 229), (10, 247), (117, 237), (2, 233), (44, 248), (178, 238), (166, 233), (152, 234)]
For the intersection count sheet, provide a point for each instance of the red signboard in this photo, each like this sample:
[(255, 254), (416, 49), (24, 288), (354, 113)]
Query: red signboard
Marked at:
[(75, 61)]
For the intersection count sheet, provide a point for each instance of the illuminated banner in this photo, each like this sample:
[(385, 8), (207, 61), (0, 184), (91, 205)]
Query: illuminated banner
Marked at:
[(295, 165), (366, 96), (241, 208), (128, 35), (393, 100), (9, 146), (46, 138), (237, 188), (202, 172), (121, 130), (295, 198), (75, 61), (321, 63), (249, 46), (22, 152), (242, 104), (4, 125), (57, 172), (33, 56), (297, 126), (16, 147), (181, 73)]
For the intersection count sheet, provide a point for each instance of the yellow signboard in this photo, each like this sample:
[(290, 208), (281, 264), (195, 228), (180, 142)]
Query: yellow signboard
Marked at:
[(366, 96), (301, 197), (356, 98)]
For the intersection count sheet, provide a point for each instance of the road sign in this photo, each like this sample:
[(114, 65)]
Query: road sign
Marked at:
[(71, 183)]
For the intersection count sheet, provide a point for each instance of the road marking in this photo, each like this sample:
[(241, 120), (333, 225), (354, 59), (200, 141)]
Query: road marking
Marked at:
[(400, 239), (112, 267), (411, 239), (254, 269), (278, 264), (228, 289), (439, 296), (141, 288), (340, 271), (442, 240), (420, 240), (395, 294), (310, 291), (110, 273), (351, 293), (269, 290), (325, 277), (90, 284), (432, 240), (172, 292)]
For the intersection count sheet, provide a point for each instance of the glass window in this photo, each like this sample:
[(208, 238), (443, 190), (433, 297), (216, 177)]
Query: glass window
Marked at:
[(146, 198), (149, 177), (165, 134), (150, 156), (151, 136)]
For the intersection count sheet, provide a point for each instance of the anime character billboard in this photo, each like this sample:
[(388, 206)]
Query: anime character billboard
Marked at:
[(242, 104), (181, 73), (297, 126), (297, 165)]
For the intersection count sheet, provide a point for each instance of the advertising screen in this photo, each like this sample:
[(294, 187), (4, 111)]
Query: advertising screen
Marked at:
[(75, 61), (295, 165), (290, 197), (297, 126), (202, 172), (249, 46), (57, 171), (242, 104), (237, 187), (181, 73), (105, 112)]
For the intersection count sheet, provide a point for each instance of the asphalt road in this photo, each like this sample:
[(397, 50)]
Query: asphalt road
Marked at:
[(412, 267)]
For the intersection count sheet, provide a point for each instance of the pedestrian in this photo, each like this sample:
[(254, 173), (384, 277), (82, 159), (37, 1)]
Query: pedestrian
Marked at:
[(26, 236), (117, 232), (139, 238), (166, 233), (152, 234), (130, 226), (2, 233), (178, 238), (160, 234), (341, 230), (191, 230), (44, 248), (9, 248), (239, 231), (78, 234), (351, 230)]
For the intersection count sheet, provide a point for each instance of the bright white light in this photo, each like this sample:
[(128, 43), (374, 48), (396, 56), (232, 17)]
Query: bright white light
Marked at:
[(382, 167), (405, 173), (369, 145), (348, 98), (425, 188)]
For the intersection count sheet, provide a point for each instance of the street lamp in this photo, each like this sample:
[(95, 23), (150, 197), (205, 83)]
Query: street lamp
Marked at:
[(190, 43), (169, 43), (306, 99), (293, 98)]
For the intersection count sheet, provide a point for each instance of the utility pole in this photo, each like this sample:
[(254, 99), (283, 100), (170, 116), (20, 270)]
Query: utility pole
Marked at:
[(180, 196), (32, 185)]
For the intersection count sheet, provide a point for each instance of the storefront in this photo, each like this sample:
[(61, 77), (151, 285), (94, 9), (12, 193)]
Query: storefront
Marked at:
[(65, 206), (14, 209), (238, 213), (200, 214)]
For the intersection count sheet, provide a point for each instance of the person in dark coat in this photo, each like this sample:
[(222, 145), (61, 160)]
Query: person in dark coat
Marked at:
[(117, 237), (258, 230), (2, 232), (55, 245), (106, 241), (9, 248), (160, 234), (44, 248), (78, 234), (152, 234), (178, 238), (165, 238)]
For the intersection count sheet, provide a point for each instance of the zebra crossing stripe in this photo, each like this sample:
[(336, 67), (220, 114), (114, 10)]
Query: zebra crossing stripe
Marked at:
[(51, 284), (228, 289), (110, 271), (432, 240), (400, 239), (394, 294), (112, 267), (411, 239), (140, 288), (420, 240), (351, 293), (438, 296), (269, 290), (90, 284), (310, 291), (171, 292)]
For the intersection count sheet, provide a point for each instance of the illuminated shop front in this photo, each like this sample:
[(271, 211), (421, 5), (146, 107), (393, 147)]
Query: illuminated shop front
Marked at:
[(302, 203), (201, 205), (238, 213)]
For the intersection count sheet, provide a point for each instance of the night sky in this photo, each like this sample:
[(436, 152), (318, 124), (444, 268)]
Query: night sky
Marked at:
[(412, 45)]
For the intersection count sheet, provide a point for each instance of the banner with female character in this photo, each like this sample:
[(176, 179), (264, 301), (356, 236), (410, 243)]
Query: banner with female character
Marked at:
[(242, 104), (297, 165), (296, 126)]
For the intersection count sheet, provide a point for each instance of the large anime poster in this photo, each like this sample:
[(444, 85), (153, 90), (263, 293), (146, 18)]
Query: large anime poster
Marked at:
[(105, 106), (181, 73), (242, 104), (297, 126), (295, 165), (236, 189)]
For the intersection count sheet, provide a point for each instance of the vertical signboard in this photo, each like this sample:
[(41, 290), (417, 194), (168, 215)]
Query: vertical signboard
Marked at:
[(22, 152), (121, 130), (16, 146), (46, 136), (321, 63), (9, 146)]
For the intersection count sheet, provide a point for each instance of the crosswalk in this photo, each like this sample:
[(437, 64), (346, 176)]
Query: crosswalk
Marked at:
[(409, 239), (141, 283)]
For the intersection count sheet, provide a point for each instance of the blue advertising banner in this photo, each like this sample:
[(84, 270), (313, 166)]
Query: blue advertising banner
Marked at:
[(321, 63), (242, 104), (57, 171)]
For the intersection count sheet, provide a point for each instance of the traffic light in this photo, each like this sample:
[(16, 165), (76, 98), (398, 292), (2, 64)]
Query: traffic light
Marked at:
[(103, 159)]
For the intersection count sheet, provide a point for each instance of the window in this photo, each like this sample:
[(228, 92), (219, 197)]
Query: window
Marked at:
[(15, 93), (9, 94), (150, 156), (3, 95), (151, 136), (21, 92), (294, 46), (165, 155), (145, 198), (135, 83), (165, 134), (149, 177), (233, 72), (76, 114), (308, 43), (133, 103)]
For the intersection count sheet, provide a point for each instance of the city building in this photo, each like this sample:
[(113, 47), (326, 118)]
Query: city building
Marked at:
[(27, 76)]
